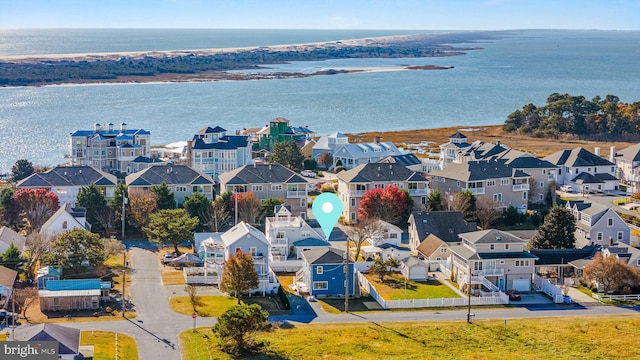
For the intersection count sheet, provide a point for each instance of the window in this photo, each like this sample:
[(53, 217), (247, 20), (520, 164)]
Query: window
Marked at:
[(413, 186), (610, 222), (491, 183), (541, 184), (353, 216), (353, 202), (619, 235), (599, 236), (541, 197), (522, 263), (360, 187), (497, 197), (344, 269), (254, 251), (423, 200), (276, 187), (458, 183), (443, 250), (393, 236), (504, 182), (319, 270), (477, 265), (64, 225), (303, 202), (181, 188), (506, 246), (256, 187), (524, 195), (320, 285), (280, 235), (491, 246)]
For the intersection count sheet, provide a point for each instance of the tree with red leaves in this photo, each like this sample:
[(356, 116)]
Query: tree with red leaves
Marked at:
[(34, 206), (389, 204)]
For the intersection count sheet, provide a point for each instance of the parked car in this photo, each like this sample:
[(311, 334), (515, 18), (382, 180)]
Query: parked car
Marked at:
[(167, 258), (566, 188), (6, 316), (308, 173), (514, 295)]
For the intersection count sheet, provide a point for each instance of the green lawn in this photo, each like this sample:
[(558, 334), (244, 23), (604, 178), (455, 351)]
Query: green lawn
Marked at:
[(104, 345), (524, 339), (394, 288), (214, 306)]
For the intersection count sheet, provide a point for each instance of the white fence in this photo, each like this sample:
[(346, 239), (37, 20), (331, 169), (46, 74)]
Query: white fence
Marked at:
[(498, 298), (544, 285), (616, 297)]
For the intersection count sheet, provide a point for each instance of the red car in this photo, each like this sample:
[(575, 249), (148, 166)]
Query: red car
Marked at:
[(514, 295)]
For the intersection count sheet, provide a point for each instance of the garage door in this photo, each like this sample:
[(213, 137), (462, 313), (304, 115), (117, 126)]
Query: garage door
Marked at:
[(522, 285), (418, 273)]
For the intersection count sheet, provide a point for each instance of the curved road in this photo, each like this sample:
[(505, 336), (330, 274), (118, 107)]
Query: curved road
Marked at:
[(156, 327)]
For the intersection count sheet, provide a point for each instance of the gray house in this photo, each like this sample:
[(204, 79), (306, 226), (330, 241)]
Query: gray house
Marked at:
[(268, 181), (68, 338), (598, 224), (584, 170), (181, 179)]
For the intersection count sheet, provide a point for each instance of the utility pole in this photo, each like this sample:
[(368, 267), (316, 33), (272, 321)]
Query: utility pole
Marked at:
[(236, 196), (124, 280), (346, 276), (13, 315), (469, 295), (124, 202)]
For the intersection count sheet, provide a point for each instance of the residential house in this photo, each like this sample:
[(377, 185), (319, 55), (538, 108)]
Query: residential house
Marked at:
[(449, 151), (413, 268), (213, 152), (585, 171), (354, 183), (554, 264), (441, 226), (66, 218), (268, 181), (410, 161), (247, 239), (324, 273), (496, 181), (68, 339), (352, 155), (598, 224), (74, 294), (623, 252), (491, 260), (108, 149), (328, 144), (387, 234), (181, 179), (8, 237), (627, 166), (434, 251), (284, 230), (542, 172), (8, 278), (66, 182), (45, 274), (279, 130)]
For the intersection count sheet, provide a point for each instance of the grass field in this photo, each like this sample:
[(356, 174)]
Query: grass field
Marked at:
[(394, 289), (104, 345), (215, 305), (557, 338)]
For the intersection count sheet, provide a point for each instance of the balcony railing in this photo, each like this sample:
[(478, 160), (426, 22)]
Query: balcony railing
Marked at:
[(355, 193), (521, 187), (476, 191), (296, 193), (492, 272), (414, 192), (279, 241)]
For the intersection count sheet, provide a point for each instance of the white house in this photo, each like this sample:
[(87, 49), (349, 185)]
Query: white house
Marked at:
[(65, 219), (352, 155), (285, 230), (584, 170), (213, 152)]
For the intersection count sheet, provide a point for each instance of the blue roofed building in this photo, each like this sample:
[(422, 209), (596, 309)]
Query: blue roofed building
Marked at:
[(213, 152), (109, 149), (73, 294), (324, 273)]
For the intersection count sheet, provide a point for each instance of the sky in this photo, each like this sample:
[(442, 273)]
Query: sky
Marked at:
[(323, 14)]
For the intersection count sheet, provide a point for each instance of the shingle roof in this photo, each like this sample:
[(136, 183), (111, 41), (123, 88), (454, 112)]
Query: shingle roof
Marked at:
[(577, 157), (491, 236), (368, 150), (446, 225), (9, 236), (169, 174), (7, 277), (563, 256), (429, 245), (586, 178), (310, 242), (68, 176), (199, 144), (480, 170), (324, 255), (209, 130), (240, 230), (458, 135), (632, 153), (404, 159), (68, 338), (261, 174), (375, 172)]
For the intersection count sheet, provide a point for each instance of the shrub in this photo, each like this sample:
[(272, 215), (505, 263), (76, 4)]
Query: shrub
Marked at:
[(283, 298)]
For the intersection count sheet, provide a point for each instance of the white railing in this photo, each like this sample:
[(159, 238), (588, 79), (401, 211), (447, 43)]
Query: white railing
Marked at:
[(414, 192), (489, 285), (616, 297), (297, 194), (356, 193), (520, 187), (279, 241), (492, 272), (544, 285), (475, 191)]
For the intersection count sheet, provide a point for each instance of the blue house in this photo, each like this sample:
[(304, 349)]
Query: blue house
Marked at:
[(323, 273)]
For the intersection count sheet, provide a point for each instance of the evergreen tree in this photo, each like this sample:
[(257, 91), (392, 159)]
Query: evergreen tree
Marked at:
[(92, 198), (198, 205), (22, 169), (288, 154), (166, 198), (171, 227), (235, 326), (557, 231), (11, 258)]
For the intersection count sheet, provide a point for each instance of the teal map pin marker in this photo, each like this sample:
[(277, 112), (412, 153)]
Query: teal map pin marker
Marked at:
[(327, 208)]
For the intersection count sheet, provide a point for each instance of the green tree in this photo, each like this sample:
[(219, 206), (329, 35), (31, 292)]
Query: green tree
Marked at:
[(239, 275), (382, 268), (511, 215), (269, 205), (434, 201), (12, 258), (557, 231), (288, 154), (22, 169), (166, 197), (120, 194), (74, 247), (171, 227), (198, 205), (92, 198), (7, 211), (236, 325)]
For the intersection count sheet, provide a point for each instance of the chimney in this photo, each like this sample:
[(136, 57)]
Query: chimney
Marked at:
[(376, 139), (123, 126), (612, 154), (597, 151), (189, 156), (498, 142)]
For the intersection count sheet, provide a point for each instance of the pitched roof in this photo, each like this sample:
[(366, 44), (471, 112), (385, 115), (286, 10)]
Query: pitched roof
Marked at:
[(324, 255), (169, 174), (209, 130), (68, 338), (446, 225), (586, 178), (632, 153), (368, 150), (429, 245), (577, 157), (563, 256), (261, 174), (68, 176), (375, 172), (7, 277), (9, 236), (480, 170), (240, 230), (458, 135), (404, 159), (491, 236), (73, 214)]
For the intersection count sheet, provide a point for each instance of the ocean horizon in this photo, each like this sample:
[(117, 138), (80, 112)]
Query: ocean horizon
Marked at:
[(482, 88)]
